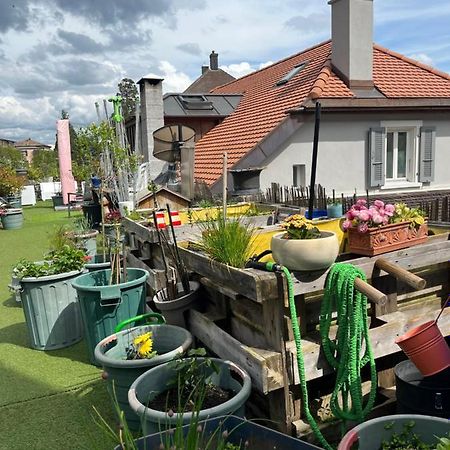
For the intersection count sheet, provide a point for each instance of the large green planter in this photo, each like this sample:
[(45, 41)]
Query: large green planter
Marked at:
[(52, 312), (98, 262), (104, 306), (13, 219), (370, 434), (168, 341), (154, 381)]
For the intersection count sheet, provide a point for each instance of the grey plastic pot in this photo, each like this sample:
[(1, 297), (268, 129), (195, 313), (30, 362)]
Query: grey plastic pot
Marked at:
[(98, 263), (169, 342), (370, 434), (173, 310), (88, 241), (154, 381), (52, 312)]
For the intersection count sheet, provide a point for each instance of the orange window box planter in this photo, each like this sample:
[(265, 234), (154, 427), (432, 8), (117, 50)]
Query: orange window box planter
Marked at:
[(386, 238)]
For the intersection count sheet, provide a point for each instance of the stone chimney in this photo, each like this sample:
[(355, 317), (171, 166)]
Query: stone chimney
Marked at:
[(152, 118), (352, 41), (214, 61), (205, 69)]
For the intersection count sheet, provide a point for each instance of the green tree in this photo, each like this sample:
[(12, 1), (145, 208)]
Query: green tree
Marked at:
[(129, 93), (44, 164), (11, 157)]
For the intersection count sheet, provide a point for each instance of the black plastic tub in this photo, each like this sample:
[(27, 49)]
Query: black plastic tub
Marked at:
[(240, 431), (417, 394)]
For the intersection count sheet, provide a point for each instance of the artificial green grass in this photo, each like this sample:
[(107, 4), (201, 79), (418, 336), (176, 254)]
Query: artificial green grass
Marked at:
[(46, 398)]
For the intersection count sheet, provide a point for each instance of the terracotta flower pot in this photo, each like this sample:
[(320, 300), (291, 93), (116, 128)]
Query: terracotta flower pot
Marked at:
[(426, 348), (386, 238), (305, 254)]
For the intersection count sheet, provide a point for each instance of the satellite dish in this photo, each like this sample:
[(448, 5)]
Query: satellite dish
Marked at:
[(168, 141)]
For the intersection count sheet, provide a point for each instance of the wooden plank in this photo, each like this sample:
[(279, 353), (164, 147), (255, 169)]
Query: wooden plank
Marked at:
[(388, 285), (263, 366), (225, 290), (140, 232), (434, 252), (156, 279), (382, 339), (254, 284)]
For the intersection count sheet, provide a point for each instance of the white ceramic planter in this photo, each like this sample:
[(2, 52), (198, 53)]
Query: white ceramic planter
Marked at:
[(305, 254)]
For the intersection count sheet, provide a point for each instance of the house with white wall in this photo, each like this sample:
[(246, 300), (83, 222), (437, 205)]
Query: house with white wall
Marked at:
[(385, 122)]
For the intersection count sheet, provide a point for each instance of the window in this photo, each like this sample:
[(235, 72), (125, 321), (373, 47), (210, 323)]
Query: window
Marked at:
[(299, 175), (400, 161), (291, 73), (401, 154)]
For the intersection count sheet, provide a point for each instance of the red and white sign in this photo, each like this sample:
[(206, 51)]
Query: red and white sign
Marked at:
[(176, 221)]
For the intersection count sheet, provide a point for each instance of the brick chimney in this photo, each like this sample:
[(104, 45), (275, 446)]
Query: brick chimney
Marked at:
[(352, 41), (152, 118), (214, 61)]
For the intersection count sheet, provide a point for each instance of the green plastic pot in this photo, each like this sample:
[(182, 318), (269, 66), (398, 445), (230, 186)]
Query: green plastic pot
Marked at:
[(370, 434), (52, 312), (13, 219), (169, 342), (334, 210), (104, 306), (154, 381)]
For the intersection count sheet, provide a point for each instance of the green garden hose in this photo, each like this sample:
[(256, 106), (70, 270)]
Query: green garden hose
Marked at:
[(343, 354)]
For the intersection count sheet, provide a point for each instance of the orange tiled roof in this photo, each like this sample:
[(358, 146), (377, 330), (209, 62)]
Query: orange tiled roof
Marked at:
[(264, 105)]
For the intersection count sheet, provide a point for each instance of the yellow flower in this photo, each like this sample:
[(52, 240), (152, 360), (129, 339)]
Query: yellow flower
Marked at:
[(145, 348), (142, 338)]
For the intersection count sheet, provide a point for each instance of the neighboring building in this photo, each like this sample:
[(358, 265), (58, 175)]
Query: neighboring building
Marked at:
[(194, 108), (210, 78), (28, 146), (6, 142), (385, 122)]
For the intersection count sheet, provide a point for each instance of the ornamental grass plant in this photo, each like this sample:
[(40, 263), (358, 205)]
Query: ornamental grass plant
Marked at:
[(229, 241)]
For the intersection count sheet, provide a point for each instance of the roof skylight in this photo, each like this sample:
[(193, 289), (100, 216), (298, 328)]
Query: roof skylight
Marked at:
[(291, 73)]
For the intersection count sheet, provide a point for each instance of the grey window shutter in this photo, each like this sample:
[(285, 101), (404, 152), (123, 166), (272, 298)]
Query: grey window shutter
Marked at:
[(377, 152), (426, 155)]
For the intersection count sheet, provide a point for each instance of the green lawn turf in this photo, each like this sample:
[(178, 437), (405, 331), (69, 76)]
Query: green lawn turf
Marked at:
[(46, 398)]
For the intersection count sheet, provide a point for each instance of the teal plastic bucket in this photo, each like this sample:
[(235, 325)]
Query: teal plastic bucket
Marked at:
[(169, 342), (52, 312), (13, 219), (104, 306)]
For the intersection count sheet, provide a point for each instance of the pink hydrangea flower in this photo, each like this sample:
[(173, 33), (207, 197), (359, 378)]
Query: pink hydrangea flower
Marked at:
[(364, 215), (363, 227), (378, 204), (346, 224)]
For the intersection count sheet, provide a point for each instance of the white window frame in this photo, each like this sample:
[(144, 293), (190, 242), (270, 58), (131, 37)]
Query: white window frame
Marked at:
[(412, 128)]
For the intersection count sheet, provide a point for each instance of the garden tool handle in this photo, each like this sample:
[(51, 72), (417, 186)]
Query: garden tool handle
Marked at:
[(442, 309), (160, 320)]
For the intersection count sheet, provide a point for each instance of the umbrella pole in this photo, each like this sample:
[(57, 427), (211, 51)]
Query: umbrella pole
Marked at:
[(314, 160)]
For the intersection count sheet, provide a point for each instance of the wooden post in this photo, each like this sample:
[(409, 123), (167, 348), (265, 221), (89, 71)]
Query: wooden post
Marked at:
[(225, 184), (373, 295), (401, 274)]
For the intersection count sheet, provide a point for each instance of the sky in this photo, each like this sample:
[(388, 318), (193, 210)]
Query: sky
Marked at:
[(67, 54)]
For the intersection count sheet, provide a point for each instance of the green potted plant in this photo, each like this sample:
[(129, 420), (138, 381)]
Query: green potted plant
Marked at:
[(399, 432), (378, 227), (302, 246), (184, 389), (127, 354), (11, 186), (49, 302), (109, 296)]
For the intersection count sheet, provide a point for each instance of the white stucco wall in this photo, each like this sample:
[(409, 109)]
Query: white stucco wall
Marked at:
[(343, 152)]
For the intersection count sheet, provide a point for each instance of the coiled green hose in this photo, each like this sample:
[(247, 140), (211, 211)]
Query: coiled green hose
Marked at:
[(343, 354)]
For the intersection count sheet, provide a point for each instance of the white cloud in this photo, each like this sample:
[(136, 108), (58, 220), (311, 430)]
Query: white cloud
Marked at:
[(243, 68), (174, 81), (423, 58)]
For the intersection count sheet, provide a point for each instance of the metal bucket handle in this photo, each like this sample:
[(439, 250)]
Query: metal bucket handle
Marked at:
[(159, 320)]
